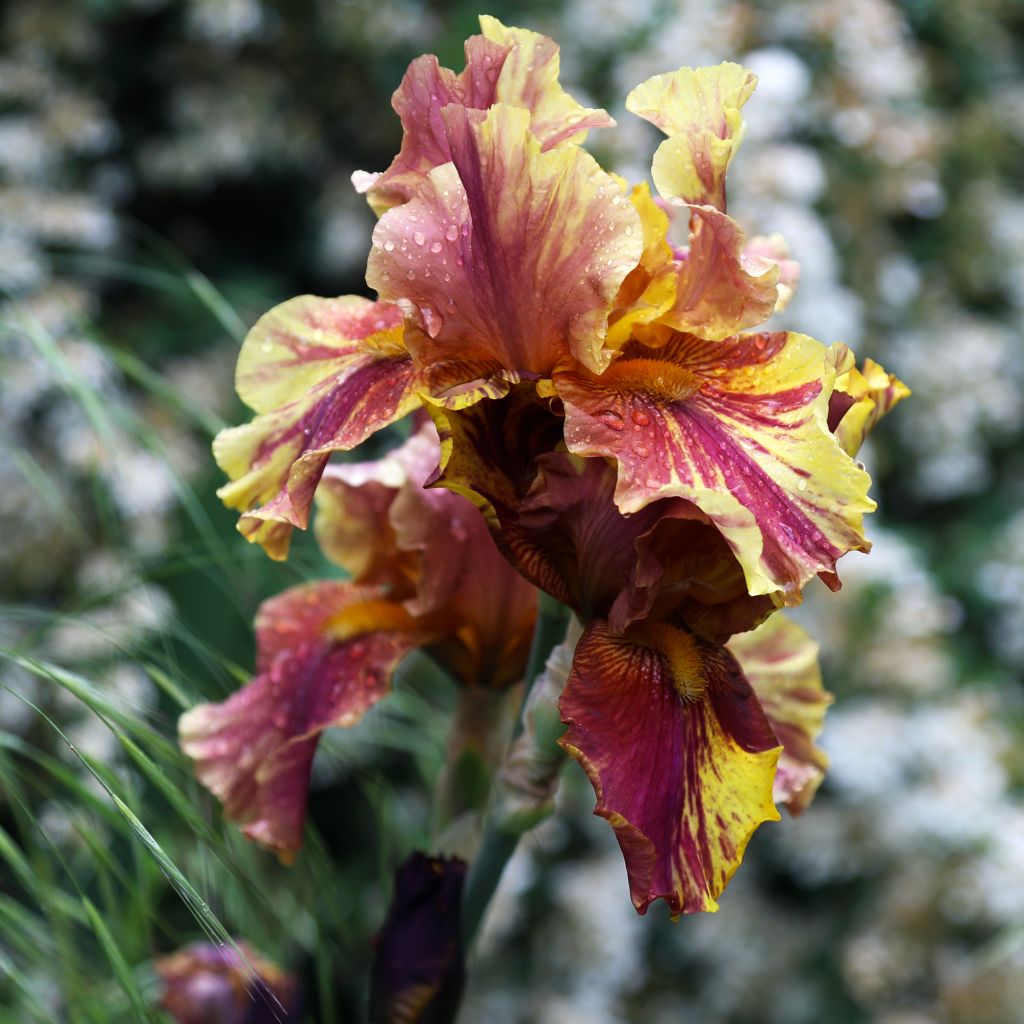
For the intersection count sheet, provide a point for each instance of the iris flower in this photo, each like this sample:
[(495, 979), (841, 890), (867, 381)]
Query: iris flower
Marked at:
[(636, 447), (327, 650)]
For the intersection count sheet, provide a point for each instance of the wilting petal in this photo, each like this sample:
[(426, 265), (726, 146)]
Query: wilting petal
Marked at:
[(510, 256), (326, 655), (781, 662), (739, 428), (208, 984), (649, 290), (323, 374), (861, 398), (723, 286), (504, 65), (680, 755), (699, 110), (418, 966)]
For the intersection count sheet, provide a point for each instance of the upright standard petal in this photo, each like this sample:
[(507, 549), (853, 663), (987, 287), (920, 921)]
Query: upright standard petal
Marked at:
[(680, 755), (781, 662), (510, 258), (323, 374), (326, 655), (504, 65), (861, 398), (739, 428), (699, 110)]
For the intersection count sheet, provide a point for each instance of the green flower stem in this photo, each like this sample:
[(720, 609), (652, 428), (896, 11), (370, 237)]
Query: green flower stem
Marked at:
[(507, 820)]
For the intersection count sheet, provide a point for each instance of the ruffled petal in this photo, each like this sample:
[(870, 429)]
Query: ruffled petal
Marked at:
[(649, 290), (377, 521), (699, 110), (739, 428), (504, 65), (724, 286), (326, 655), (680, 755), (509, 256), (324, 374), (861, 398), (781, 662)]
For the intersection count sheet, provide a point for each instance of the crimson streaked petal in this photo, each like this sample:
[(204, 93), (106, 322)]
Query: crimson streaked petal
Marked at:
[(323, 374), (509, 255), (680, 755), (739, 428), (503, 65), (326, 655), (781, 662)]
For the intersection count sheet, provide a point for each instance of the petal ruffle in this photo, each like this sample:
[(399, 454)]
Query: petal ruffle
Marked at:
[(861, 398), (509, 256), (699, 110), (739, 428), (680, 755), (781, 662), (323, 374), (504, 65), (326, 655), (377, 520)]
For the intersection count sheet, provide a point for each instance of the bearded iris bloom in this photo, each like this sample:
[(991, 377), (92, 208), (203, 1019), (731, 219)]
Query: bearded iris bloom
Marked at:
[(635, 448), (327, 650)]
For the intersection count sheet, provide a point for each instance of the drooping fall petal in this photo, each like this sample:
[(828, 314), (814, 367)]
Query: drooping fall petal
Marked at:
[(739, 428), (680, 755), (504, 65), (781, 663), (861, 398), (699, 110), (509, 256), (326, 655), (323, 374)]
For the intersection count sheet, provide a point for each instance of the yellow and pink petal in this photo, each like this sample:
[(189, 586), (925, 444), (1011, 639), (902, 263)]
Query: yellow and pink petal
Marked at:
[(510, 257), (680, 755), (326, 653), (503, 65), (738, 427), (860, 398), (699, 110), (781, 662), (323, 375)]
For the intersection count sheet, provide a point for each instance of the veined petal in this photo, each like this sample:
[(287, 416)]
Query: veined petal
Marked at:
[(861, 398), (509, 255), (504, 65), (723, 286), (680, 755), (775, 248), (377, 520), (323, 374), (781, 662), (699, 110), (529, 78), (739, 428), (326, 655)]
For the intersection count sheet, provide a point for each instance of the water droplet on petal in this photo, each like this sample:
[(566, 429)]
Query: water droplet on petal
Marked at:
[(451, 233), (432, 322), (642, 451), (612, 420), (389, 245), (419, 238), (640, 418), (436, 246), (802, 485)]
